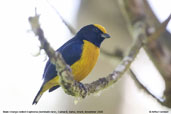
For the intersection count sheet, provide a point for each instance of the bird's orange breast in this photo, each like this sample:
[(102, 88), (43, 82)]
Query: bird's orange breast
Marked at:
[(85, 64)]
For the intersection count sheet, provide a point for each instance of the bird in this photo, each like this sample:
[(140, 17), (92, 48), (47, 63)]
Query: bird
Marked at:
[(80, 53)]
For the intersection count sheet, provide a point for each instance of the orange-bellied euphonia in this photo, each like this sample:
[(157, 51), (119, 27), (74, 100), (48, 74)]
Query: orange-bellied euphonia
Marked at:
[(81, 53)]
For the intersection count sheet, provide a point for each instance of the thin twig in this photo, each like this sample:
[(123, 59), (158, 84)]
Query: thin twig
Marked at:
[(139, 84), (70, 28), (117, 53), (159, 30)]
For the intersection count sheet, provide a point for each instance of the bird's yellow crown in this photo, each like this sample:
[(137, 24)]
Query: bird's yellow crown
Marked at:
[(101, 28)]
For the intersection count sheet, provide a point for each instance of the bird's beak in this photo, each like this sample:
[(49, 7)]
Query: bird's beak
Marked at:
[(105, 35)]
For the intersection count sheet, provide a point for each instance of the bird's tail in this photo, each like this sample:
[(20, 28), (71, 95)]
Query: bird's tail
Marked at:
[(38, 96), (51, 85)]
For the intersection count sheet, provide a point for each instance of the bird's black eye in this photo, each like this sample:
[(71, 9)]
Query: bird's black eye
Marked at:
[(95, 30)]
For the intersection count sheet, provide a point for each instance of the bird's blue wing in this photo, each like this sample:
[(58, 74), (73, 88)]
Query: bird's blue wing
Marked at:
[(71, 52), (49, 71)]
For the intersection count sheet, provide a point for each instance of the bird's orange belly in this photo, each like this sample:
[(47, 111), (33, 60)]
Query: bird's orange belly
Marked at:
[(84, 66)]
